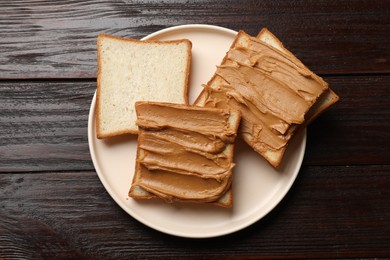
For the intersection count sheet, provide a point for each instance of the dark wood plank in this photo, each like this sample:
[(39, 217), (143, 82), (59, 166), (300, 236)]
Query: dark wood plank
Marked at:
[(44, 125), (356, 130), (45, 39), (334, 211)]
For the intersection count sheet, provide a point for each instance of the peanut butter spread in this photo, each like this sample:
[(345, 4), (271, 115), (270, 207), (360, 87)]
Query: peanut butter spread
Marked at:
[(272, 89), (184, 152)]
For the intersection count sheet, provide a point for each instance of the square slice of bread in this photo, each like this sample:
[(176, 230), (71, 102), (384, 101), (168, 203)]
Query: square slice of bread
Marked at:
[(185, 153), (131, 70), (259, 134)]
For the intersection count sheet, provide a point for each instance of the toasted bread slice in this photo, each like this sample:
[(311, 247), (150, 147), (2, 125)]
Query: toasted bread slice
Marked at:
[(281, 130), (185, 153), (131, 70)]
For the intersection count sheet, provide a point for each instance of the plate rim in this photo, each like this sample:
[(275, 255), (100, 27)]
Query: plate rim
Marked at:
[(134, 214), (189, 26)]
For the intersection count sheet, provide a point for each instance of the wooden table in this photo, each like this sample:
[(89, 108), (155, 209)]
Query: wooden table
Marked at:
[(52, 203)]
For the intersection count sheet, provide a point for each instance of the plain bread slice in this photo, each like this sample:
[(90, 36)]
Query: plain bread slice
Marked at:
[(131, 70)]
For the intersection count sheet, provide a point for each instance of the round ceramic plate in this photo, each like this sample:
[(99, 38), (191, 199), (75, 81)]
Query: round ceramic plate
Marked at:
[(257, 187)]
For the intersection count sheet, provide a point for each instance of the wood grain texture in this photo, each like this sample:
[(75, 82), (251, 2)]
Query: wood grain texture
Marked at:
[(356, 130), (53, 205), (329, 212), (46, 39), (44, 125)]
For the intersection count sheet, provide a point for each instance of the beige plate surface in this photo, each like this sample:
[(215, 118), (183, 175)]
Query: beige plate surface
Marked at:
[(257, 187)]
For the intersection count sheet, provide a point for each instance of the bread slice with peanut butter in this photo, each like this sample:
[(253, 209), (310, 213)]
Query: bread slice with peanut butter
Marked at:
[(185, 153), (327, 98), (273, 90)]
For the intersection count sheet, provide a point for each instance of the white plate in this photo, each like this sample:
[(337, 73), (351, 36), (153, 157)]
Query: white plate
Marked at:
[(257, 187)]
